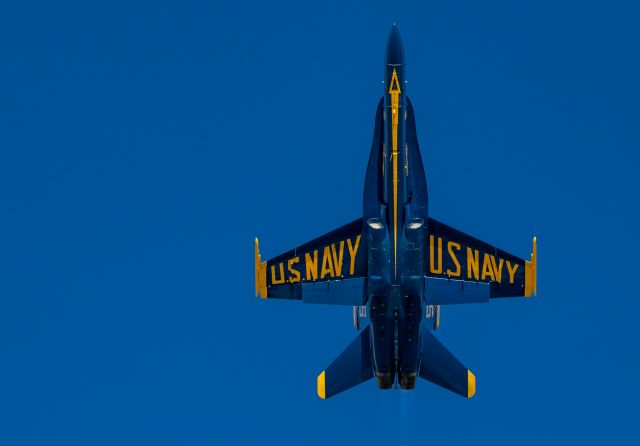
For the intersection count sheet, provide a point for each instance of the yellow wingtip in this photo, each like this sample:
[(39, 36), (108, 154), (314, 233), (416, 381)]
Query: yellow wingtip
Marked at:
[(257, 264), (321, 385), (531, 271), (534, 261), (260, 272), (471, 384)]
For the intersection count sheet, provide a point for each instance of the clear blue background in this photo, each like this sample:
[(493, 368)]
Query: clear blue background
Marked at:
[(144, 145)]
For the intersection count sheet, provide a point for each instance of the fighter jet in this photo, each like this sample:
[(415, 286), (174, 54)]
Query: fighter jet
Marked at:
[(396, 266)]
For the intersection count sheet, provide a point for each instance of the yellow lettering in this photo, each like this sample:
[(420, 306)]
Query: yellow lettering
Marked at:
[(486, 268), (457, 272), (473, 263), (512, 272), (337, 259), (312, 265), (292, 270), (353, 250), (327, 264), (497, 268), (432, 267), (275, 281)]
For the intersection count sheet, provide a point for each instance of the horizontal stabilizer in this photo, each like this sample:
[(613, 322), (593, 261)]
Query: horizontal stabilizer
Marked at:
[(352, 367), (442, 368)]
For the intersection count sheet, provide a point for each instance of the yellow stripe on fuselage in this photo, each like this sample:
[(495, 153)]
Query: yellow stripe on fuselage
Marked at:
[(394, 91)]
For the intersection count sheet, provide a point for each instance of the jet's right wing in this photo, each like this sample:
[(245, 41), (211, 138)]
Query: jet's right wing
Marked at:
[(464, 269), (330, 269)]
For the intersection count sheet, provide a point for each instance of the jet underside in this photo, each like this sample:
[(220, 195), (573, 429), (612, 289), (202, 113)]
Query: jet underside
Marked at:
[(395, 264)]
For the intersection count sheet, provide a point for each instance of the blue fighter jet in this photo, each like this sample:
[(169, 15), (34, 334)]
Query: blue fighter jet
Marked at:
[(395, 265)]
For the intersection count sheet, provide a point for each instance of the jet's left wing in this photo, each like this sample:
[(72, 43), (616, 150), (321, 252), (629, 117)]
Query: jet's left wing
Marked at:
[(330, 269), (464, 269)]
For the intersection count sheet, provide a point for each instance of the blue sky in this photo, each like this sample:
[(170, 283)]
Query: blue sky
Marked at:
[(144, 145)]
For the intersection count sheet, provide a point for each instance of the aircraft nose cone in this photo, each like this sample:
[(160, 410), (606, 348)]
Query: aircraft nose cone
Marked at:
[(395, 52)]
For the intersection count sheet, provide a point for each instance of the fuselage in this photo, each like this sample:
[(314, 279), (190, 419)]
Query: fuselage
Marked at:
[(394, 150), (395, 210), (379, 263)]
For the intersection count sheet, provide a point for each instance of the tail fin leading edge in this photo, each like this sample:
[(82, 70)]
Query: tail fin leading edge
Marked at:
[(442, 368), (352, 367)]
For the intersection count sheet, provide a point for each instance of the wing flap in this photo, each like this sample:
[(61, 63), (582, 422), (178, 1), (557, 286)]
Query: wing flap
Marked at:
[(335, 292), (440, 291)]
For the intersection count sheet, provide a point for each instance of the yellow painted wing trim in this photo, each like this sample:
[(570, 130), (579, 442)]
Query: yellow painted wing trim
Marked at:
[(261, 273), (321, 385), (471, 384), (531, 271)]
